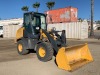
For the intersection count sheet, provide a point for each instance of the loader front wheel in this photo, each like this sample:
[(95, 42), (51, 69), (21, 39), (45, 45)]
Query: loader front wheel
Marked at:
[(21, 48), (44, 51)]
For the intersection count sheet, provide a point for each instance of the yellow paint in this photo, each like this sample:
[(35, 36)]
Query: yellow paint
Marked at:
[(20, 47), (42, 52), (72, 57), (42, 35), (54, 37), (19, 34)]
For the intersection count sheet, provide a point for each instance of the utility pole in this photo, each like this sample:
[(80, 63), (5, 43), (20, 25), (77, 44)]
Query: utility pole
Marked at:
[(92, 17)]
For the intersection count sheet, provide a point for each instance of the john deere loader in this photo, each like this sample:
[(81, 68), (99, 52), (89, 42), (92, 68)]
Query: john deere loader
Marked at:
[(34, 35)]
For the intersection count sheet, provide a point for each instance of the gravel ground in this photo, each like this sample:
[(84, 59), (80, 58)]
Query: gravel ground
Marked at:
[(13, 64)]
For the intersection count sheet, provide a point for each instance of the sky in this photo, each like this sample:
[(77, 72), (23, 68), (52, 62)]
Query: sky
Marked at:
[(12, 8)]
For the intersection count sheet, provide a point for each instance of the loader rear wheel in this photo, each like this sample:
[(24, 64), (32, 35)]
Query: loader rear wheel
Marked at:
[(21, 48), (44, 51)]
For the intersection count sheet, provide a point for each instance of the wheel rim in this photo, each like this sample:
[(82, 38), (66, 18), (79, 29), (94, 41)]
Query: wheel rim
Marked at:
[(20, 47), (42, 52)]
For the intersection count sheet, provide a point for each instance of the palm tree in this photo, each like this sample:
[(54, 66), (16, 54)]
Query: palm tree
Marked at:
[(50, 5), (36, 5), (80, 19), (92, 16), (25, 8)]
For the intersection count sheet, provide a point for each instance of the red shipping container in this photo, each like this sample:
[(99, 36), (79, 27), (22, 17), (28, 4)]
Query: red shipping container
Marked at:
[(61, 15)]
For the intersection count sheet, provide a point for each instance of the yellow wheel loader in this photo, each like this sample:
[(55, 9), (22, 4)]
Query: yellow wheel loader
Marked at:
[(34, 35)]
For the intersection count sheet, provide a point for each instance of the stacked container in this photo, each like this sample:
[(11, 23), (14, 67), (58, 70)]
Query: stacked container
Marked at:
[(61, 15)]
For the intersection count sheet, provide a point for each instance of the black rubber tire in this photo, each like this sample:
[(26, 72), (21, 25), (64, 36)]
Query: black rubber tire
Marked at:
[(24, 50), (48, 49)]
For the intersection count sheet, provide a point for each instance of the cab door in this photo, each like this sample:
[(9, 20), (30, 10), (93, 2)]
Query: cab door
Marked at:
[(27, 26), (31, 27)]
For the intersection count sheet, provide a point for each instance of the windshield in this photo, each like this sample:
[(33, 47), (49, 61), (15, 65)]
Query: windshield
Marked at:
[(1, 27), (39, 20)]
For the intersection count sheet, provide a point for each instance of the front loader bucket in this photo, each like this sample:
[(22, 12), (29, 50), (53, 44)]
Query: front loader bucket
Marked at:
[(70, 58)]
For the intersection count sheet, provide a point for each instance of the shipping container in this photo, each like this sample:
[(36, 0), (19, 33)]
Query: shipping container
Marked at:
[(9, 31), (74, 30), (68, 14)]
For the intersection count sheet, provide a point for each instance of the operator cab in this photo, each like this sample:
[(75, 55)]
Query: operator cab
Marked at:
[(33, 22)]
